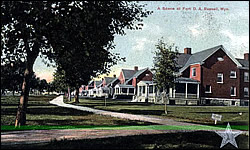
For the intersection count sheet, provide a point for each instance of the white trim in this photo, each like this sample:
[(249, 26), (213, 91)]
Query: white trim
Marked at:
[(192, 73), (234, 88), (247, 92), (247, 76), (221, 77), (233, 77), (223, 49), (225, 99), (227, 53), (210, 90)]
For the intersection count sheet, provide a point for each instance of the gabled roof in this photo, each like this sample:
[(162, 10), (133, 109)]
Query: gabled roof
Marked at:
[(108, 79), (90, 82), (243, 62), (128, 73), (200, 57), (139, 72), (182, 59), (98, 83), (112, 82)]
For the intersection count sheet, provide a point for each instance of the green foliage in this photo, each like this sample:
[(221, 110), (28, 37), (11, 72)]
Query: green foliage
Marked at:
[(12, 75), (165, 65), (60, 81), (84, 36)]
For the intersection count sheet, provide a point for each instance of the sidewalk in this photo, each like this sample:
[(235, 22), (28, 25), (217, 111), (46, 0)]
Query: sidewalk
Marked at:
[(44, 136), (59, 102)]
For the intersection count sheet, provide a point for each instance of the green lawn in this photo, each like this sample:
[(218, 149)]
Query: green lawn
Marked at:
[(194, 114), (41, 113)]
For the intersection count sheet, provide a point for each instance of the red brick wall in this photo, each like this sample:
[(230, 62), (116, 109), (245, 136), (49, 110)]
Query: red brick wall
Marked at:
[(209, 72), (243, 84), (198, 72), (186, 73), (143, 77), (121, 78), (103, 82)]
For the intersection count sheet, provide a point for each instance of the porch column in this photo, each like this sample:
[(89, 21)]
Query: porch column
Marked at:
[(154, 97), (138, 90), (198, 91), (120, 90), (127, 91), (174, 92), (171, 92), (146, 91), (186, 90)]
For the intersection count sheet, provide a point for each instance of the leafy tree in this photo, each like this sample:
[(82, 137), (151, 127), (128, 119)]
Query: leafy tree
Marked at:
[(86, 52), (60, 83), (165, 67), (59, 30), (43, 85), (24, 26), (12, 76)]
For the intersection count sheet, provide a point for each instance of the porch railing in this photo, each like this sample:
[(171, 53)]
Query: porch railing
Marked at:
[(183, 95)]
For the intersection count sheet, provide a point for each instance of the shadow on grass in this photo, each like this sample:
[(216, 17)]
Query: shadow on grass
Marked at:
[(59, 111), (143, 112), (188, 140)]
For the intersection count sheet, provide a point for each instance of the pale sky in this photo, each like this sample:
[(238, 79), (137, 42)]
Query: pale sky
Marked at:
[(197, 29)]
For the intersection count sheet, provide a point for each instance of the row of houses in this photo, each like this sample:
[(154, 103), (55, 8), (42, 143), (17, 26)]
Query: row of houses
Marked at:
[(209, 77)]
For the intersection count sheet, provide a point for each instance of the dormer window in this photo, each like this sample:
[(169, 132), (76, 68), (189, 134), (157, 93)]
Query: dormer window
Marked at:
[(220, 59)]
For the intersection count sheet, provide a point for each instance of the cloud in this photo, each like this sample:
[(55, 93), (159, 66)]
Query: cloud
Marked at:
[(140, 44), (197, 30), (242, 40)]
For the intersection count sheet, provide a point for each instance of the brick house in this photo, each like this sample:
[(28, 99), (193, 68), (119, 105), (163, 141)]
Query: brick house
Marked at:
[(224, 80), (107, 87), (127, 88)]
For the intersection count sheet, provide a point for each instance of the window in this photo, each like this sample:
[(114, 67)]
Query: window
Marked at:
[(150, 89), (208, 89), (246, 77), (143, 89), (220, 78), (233, 91), (124, 90), (233, 74), (246, 93), (131, 90), (193, 72), (220, 59)]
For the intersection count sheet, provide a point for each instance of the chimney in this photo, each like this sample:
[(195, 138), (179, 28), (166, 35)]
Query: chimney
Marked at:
[(246, 56), (114, 76), (187, 50), (136, 68)]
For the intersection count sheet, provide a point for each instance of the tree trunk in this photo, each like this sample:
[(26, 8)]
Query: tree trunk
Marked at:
[(13, 92), (21, 112), (69, 94), (22, 108), (77, 95)]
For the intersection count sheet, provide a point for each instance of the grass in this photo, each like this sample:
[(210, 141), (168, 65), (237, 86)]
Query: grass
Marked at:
[(193, 114), (41, 113), (188, 140)]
